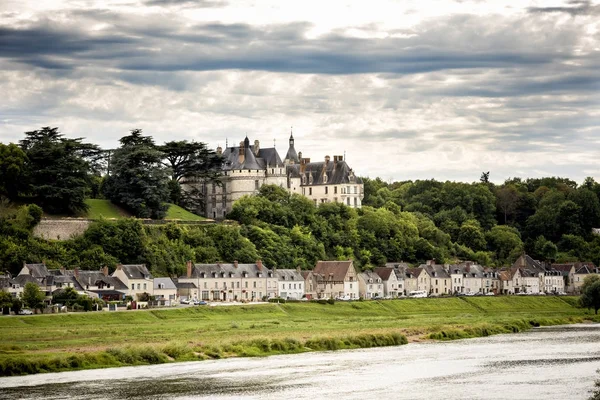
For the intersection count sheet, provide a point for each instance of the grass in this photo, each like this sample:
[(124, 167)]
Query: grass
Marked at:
[(32, 344), (176, 212), (104, 209)]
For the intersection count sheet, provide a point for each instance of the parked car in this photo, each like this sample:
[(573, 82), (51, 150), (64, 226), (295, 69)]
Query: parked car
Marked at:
[(185, 302), (344, 298), (25, 311), (201, 303), (490, 294)]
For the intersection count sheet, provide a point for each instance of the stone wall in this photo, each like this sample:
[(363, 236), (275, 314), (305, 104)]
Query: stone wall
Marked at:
[(61, 229), (66, 228)]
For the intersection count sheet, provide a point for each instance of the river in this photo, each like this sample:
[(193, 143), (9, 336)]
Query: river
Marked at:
[(545, 363)]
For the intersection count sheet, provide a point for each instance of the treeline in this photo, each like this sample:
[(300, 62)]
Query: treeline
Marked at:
[(552, 217), (59, 174)]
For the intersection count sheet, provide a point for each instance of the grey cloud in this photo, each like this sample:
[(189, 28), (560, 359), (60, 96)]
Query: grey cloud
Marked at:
[(188, 3), (578, 7)]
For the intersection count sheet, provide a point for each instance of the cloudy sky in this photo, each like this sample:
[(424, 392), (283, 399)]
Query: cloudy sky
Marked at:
[(409, 89)]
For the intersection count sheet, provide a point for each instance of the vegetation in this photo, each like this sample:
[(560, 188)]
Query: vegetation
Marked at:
[(590, 293), (100, 208), (176, 212), (32, 296), (58, 342), (596, 391)]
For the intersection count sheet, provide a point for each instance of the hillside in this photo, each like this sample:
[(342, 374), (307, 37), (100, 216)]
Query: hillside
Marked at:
[(105, 209)]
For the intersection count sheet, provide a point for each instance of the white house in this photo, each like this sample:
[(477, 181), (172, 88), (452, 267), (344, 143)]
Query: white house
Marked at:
[(290, 284)]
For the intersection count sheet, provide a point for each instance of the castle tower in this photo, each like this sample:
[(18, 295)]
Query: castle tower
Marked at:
[(291, 157)]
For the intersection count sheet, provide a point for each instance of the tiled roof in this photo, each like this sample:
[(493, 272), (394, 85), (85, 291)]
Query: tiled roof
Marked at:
[(136, 271), (332, 270), (369, 275), (228, 270), (384, 272), (92, 278), (37, 270)]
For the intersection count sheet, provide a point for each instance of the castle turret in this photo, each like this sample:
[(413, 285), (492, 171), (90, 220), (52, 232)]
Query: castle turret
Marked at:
[(291, 157)]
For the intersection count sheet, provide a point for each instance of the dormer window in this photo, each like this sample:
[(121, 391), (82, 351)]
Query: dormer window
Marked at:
[(304, 179), (310, 179), (324, 178)]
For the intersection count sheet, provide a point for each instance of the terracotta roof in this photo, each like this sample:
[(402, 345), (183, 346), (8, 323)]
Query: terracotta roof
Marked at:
[(332, 270), (384, 272)]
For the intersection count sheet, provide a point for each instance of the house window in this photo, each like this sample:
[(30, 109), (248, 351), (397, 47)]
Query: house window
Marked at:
[(205, 285), (335, 190), (246, 284), (254, 284), (138, 286), (144, 286), (350, 286), (310, 191), (133, 286)]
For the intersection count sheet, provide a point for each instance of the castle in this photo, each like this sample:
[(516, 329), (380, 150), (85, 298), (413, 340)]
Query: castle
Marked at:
[(246, 168)]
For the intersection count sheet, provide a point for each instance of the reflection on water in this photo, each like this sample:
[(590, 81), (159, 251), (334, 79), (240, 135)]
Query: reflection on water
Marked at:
[(545, 363)]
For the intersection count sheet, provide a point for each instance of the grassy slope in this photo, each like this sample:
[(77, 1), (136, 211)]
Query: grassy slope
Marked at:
[(176, 212), (105, 209), (214, 332)]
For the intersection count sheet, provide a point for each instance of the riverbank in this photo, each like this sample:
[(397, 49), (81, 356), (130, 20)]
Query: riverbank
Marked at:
[(49, 343)]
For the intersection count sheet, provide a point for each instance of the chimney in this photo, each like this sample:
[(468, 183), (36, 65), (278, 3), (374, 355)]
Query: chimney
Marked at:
[(189, 269), (298, 269), (76, 272), (327, 160), (105, 271), (259, 265), (300, 155), (63, 270), (119, 266), (235, 263), (242, 153), (256, 147), (219, 150)]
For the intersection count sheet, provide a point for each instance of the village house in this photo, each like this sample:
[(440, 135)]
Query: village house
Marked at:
[(136, 277), (510, 281), (165, 291), (567, 271), (439, 280), (370, 285), (100, 284), (186, 290), (554, 282), (310, 284), (290, 284), (409, 276), (584, 270), (393, 283), (336, 279), (422, 278), (231, 282)]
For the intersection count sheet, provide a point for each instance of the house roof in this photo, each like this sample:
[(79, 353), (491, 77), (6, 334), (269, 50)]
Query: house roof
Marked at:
[(92, 278), (24, 279), (288, 275), (332, 270), (587, 268), (37, 270), (385, 272), (228, 270), (337, 172), (400, 264), (368, 275), (436, 271), (167, 282), (185, 285), (135, 271)]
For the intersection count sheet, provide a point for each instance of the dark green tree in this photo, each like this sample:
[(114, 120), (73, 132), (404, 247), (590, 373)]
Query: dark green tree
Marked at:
[(58, 170), (590, 293), (6, 301), (139, 181), (32, 296), (13, 162)]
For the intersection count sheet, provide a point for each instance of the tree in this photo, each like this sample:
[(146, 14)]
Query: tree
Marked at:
[(544, 249), (506, 200), (58, 170), (590, 293), (12, 170), (32, 296), (67, 297), (6, 301), (472, 236), (139, 181), (485, 177)]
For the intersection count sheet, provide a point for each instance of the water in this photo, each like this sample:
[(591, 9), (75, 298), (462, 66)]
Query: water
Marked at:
[(545, 363)]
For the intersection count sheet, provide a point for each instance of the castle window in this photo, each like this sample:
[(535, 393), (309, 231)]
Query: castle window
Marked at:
[(326, 190), (310, 191), (256, 185), (355, 204), (348, 200)]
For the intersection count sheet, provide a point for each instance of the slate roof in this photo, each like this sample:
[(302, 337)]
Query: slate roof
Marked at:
[(337, 173), (587, 268), (288, 275), (332, 270), (291, 153), (227, 271), (136, 271), (167, 282), (37, 270), (437, 271), (185, 285), (24, 279), (367, 275), (267, 157), (92, 278)]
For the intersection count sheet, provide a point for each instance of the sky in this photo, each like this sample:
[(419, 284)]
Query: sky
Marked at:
[(407, 89)]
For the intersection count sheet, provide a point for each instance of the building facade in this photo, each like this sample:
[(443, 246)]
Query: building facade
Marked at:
[(247, 167)]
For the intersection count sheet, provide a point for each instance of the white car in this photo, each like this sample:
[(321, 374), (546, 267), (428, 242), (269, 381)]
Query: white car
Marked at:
[(490, 294), (25, 312)]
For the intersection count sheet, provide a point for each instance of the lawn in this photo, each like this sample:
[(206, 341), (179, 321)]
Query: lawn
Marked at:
[(176, 212), (30, 344), (104, 209)]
